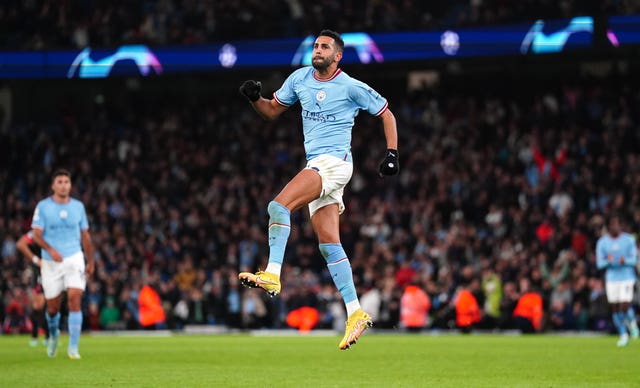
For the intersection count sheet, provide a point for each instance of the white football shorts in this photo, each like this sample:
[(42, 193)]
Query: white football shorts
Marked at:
[(335, 174), (57, 277), (620, 292)]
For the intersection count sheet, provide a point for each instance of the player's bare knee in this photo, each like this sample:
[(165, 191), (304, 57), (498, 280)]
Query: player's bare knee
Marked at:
[(327, 235), (74, 299)]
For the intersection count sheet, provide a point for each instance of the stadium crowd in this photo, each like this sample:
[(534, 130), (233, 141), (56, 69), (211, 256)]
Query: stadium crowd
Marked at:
[(499, 193), (63, 24)]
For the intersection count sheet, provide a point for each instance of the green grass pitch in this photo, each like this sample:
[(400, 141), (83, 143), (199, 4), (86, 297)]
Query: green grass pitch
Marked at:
[(315, 361)]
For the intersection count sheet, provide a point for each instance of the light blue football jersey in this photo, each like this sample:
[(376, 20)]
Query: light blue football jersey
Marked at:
[(61, 224), (622, 246), (329, 108)]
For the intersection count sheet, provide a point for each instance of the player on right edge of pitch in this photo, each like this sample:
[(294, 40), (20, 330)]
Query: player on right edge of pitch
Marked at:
[(617, 254)]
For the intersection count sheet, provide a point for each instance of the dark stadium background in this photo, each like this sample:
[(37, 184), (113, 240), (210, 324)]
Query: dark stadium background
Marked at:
[(176, 170)]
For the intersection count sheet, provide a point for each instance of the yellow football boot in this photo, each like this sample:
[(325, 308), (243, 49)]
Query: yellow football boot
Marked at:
[(357, 323), (269, 282)]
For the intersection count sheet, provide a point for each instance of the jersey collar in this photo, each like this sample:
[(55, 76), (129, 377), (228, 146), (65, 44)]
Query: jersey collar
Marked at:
[(335, 74)]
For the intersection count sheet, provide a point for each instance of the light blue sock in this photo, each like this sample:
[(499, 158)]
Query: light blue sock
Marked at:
[(340, 270), (279, 228), (75, 327), (54, 324), (630, 315), (618, 322)]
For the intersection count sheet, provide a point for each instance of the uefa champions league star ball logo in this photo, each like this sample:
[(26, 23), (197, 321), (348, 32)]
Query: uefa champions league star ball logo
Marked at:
[(63, 214), (321, 95)]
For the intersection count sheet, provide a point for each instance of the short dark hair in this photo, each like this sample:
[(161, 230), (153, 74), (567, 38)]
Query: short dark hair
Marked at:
[(615, 215), (336, 37), (59, 172)]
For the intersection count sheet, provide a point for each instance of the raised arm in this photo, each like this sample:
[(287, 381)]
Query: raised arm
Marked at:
[(390, 164), (269, 109), (390, 129)]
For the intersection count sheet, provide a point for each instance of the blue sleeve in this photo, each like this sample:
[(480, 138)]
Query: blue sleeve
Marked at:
[(286, 95), (632, 253), (368, 99), (84, 222), (601, 259), (38, 221)]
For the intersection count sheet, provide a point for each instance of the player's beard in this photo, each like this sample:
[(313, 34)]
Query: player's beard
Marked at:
[(64, 195), (321, 64)]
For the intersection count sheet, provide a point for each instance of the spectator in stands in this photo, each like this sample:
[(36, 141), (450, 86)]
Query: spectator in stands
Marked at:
[(110, 315)]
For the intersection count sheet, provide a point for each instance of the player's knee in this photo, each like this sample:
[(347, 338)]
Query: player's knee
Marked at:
[(278, 212)]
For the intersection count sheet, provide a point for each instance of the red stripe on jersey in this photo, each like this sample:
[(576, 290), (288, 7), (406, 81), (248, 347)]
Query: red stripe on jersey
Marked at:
[(278, 101), (384, 108)]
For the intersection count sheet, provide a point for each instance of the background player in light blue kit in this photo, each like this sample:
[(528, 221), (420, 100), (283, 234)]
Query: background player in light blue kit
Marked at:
[(330, 101), (61, 228), (617, 254)]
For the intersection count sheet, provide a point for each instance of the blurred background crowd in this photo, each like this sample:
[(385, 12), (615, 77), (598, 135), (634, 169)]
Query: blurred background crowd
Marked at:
[(503, 189)]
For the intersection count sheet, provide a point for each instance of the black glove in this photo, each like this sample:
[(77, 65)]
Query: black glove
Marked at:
[(390, 164), (251, 90)]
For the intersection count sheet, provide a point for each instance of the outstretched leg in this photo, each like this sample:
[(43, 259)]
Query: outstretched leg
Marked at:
[(326, 224), (302, 189)]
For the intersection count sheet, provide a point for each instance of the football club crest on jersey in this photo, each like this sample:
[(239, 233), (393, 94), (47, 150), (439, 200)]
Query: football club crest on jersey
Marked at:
[(321, 95), (63, 214)]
